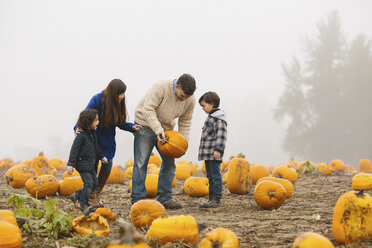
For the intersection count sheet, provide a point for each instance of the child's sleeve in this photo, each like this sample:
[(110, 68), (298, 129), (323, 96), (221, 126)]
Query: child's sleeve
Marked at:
[(221, 136), (75, 150)]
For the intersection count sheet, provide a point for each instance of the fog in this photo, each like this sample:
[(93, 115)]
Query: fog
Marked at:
[(55, 55)]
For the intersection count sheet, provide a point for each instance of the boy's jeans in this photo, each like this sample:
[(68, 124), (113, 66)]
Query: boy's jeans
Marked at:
[(90, 183), (212, 167), (144, 142)]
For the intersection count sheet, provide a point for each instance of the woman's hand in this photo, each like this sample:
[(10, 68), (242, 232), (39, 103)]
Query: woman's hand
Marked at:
[(78, 130), (136, 128)]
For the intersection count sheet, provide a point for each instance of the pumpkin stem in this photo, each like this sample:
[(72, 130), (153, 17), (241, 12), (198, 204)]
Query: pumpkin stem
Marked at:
[(41, 153), (271, 194), (360, 193)]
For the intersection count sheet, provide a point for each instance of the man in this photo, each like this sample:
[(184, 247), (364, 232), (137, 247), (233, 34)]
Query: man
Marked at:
[(156, 112)]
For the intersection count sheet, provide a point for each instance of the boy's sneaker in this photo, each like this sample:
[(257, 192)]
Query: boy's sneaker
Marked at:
[(172, 205), (73, 198)]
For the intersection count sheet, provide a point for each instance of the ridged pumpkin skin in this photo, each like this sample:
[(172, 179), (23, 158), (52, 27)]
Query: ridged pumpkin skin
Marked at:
[(94, 224), (71, 173), (196, 186), (117, 175), (144, 212), (222, 236), (41, 186), (284, 182), (70, 185), (7, 215), (312, 240), (352, 217), (286, 172), (238, 179), (10, 235), (41, 165), (269, 194), (105, 212), (324, 168), (362, 181), (258, 171), (176, 145), (176, 228), (365, 165), (6, 163), (18, 175), (183, 171), (57, 163)]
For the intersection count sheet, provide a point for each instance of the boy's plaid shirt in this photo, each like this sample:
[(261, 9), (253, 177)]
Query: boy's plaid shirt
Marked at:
[(213, 138)]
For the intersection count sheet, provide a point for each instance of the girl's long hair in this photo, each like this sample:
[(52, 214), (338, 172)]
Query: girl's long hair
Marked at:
[(114, 113)]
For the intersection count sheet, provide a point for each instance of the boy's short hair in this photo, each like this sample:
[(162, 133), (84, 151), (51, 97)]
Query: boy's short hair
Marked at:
[(187, 84), (211, 98), (86, 118)]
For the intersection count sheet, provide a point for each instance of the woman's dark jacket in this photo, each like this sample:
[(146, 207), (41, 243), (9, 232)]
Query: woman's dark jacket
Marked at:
[(85, 152)]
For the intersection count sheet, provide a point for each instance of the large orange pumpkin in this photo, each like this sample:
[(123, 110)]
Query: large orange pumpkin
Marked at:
[(337, 165), (144, 212), (284, 182), (41, 165), (258, 171), (196, 186), (269, 194), (238, 179), (10, 235), (7, 215), (176, 145), (286, 172), (71, 173), (41, 186), (70, 185), (57, 163), (221, 236), (117, 175), (18, 175), (312, 240), (155, 159)]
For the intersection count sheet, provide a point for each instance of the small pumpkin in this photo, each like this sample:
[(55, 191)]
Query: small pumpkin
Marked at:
[(117, 175), (183, 171), (176, 145), (258, 171), (18, 175), (129, 172), (362, 181), (41, 165), (222, 236), (155, 159), (352, 217), (144, 212), (196, 186), (10, 235), (337, 165), (324, 168), (57, 163), (311, 240), (105, 212), (6, 163), (70, 185), (151, 184), (286, 172), (129, 163), (41, 186), (94, 224), (269, 194), (365, 165), (238, 179), (71, 173), (284, 182), (175, 228)]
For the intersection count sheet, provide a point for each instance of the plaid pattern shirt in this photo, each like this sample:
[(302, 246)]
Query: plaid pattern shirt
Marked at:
[(214, 136)]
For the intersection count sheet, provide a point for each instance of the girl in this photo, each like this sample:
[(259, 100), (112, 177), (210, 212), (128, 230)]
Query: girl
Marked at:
[(84, 156), (212, 145), (112, 113)]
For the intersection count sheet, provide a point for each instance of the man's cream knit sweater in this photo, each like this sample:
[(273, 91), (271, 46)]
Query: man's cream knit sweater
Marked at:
[(160, 107)]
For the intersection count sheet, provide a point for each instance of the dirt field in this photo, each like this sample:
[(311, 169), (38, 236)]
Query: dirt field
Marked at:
[(254, 226)]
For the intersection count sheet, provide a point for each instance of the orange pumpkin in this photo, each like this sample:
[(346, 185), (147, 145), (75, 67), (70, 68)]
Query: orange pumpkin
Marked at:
[(365, 165), (18, 175), (183, 171), (117, 175), (258, 171), (324, 169), (310, 240), (57, 163), (41, 165), (129, 172), (176, 145), (238, 179), (70, 185), (10, 235), (144, 212), (286, 172), (41, 186), (7, 215), (71, 173), (129, 163), (95, 224), (155, 159), (222, 236), (269, 194), (362, 181), (105, 212), (337, 165), (6, 163), (284, 182), (196, 186)]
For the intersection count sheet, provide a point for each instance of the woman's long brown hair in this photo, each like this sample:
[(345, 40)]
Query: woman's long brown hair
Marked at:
[(114, 113)]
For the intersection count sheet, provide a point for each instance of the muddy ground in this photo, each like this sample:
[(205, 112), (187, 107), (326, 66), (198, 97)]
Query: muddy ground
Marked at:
[(254, 227)]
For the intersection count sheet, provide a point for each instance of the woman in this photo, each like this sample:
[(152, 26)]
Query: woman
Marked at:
[(112, 113)]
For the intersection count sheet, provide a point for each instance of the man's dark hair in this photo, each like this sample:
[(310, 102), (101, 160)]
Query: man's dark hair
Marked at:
[(187, 84), (210, 98), (86, 118)]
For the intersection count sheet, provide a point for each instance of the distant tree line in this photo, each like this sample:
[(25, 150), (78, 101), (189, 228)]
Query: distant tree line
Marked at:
[(327, 100)]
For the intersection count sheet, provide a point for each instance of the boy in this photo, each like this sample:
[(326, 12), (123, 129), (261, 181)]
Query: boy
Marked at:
[(212, 145)]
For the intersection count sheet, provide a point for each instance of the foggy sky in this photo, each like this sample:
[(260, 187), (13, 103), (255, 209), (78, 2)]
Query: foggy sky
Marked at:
[(55, 55)]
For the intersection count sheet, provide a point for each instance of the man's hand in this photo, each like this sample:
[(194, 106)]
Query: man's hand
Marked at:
[(161, 138), (136, 128), (78, 130), (216, 154)]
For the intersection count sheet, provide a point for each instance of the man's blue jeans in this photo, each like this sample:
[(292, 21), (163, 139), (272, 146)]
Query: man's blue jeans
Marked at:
[(212, 167), (144, 142)]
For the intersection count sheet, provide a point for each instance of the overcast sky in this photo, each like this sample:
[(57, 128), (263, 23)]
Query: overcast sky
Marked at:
[(55, 55)]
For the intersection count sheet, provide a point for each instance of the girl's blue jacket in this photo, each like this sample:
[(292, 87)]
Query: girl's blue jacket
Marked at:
[(106, 136)]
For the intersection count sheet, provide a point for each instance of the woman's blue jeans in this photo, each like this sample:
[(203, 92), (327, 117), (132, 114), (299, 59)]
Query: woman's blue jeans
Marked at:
[(144, 142)]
